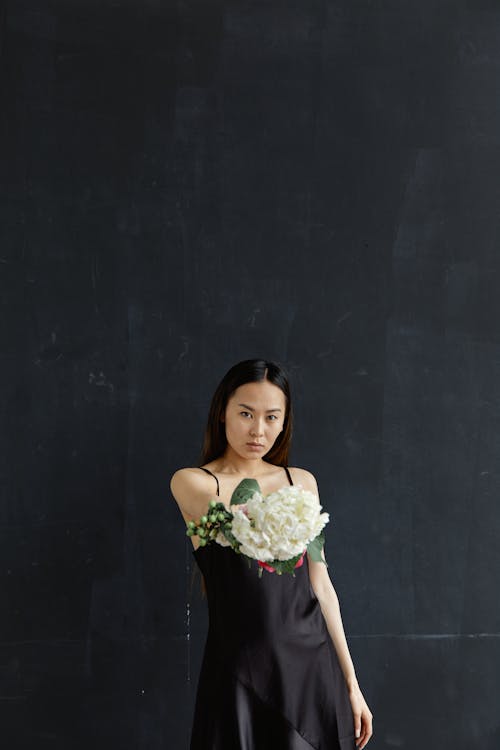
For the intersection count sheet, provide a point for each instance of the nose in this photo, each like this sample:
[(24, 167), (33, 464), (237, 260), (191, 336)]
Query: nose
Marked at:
[(257, 429)]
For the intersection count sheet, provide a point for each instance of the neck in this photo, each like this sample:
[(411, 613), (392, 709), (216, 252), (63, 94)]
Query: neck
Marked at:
[(232, 463)]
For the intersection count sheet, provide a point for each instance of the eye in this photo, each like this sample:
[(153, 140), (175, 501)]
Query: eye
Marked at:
[(273, 416), (244, 412)]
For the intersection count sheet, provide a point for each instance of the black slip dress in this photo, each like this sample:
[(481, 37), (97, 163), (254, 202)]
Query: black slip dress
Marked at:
[(270, 677)]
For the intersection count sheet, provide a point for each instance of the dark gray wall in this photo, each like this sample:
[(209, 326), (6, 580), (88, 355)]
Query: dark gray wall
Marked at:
[(187, 184)]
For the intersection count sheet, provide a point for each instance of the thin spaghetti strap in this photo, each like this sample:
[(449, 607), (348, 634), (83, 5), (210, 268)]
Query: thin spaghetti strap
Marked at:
[(288, 474), (209, 472)]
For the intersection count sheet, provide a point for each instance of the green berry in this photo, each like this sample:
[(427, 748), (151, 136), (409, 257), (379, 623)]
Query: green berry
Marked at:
[(203, 542), (213, 503), (203, 519), (221, 516)]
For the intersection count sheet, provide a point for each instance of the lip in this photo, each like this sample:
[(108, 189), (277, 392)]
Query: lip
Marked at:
[(255, 445)]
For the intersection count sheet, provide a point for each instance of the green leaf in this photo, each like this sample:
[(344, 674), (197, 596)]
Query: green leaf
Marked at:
[(284, 566), (244, 491), (314, 548), (226, 530)]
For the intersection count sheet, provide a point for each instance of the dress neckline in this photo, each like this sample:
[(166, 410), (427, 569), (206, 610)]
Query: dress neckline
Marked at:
[(289, 477)]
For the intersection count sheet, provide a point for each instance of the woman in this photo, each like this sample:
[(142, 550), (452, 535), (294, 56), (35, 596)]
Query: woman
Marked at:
[(276, 671)]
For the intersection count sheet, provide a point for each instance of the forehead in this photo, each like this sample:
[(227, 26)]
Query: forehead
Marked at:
[(261, 395)]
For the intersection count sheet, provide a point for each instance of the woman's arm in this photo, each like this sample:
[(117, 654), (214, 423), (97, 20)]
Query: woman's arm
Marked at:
[(330, 607)]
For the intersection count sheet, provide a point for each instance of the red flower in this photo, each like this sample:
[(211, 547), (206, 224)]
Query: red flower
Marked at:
[(300, 560), (268, 567)]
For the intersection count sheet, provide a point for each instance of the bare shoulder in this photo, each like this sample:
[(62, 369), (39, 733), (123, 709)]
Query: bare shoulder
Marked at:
[(188, 477), (189, 487), (304, 477)]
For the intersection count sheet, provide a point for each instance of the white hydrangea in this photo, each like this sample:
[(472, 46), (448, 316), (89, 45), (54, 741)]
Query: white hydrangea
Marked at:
[(278, 526)]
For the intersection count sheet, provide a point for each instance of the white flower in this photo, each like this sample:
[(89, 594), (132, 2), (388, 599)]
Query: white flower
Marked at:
[(253, 541), (280, 525)]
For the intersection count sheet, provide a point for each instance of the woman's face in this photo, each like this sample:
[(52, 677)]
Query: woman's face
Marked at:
[(254, 418)]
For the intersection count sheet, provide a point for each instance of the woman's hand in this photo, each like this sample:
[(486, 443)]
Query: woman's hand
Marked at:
[(363, 729)]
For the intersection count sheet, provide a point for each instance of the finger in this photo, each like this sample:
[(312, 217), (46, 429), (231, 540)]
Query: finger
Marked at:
[(365, 734), (363, 737), (357, 725)]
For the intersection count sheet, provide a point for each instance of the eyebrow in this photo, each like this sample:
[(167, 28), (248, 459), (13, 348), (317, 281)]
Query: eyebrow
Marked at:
[(251, 409)]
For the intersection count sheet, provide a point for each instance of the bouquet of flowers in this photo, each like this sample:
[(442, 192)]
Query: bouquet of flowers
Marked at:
[(276, 529)]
